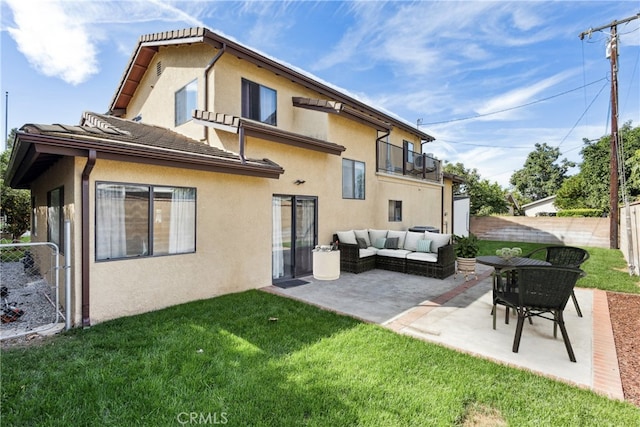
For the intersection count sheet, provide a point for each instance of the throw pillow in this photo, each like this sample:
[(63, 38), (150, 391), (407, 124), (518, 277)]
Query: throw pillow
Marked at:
[(347, 237), (391, 243), (362, 244), (424, 245), (365, 235), (380, 242), (437, 240)]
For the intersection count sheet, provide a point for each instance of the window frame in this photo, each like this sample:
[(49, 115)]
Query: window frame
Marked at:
[(395, 210), (183, 104), (56, 211), (353, 191), (252, 99), (151, 218)]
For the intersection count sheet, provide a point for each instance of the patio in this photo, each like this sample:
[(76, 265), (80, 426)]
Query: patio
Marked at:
[(456, 314)]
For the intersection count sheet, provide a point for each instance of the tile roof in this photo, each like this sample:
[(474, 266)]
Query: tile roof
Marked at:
[(268, 132), (148, 46), (125, 140)]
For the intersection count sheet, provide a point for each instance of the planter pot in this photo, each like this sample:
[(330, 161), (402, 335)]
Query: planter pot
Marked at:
[(466, 267)]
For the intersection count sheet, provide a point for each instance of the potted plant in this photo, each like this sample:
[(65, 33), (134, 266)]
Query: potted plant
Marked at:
[(466, 249)]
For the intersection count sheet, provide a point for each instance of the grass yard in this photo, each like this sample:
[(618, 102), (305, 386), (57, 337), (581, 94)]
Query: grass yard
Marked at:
[(256, 359)]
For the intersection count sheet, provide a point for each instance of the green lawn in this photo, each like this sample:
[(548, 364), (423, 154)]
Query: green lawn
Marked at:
[(256, 359)]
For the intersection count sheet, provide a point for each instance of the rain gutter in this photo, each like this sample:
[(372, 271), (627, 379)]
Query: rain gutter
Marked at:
[(91, 161)]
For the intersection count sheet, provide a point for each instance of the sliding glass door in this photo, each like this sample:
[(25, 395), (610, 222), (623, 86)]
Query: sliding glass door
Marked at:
[(295, 234)]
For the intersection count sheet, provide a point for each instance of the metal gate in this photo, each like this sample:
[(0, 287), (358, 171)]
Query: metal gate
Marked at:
[(29, 280)]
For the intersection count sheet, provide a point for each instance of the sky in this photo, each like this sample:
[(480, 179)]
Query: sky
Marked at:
[(488, 80)]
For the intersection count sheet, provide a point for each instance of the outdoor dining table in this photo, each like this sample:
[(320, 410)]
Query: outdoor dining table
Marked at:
[(498, 263)]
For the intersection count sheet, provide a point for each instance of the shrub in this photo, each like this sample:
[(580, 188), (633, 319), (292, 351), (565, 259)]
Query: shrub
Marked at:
[(592, 213)]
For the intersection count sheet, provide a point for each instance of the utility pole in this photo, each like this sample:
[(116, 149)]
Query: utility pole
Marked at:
[(612, 52)]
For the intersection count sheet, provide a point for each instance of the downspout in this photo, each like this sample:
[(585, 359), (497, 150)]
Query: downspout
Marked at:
[(241, 142), (91, 161), (206, 84)]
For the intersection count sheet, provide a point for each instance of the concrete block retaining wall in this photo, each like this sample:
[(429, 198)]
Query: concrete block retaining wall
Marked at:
[(552, 230)]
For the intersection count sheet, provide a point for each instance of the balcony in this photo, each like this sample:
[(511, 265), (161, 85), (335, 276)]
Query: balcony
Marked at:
[(396, 160)]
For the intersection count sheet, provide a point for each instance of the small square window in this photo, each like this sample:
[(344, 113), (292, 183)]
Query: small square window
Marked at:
[(395, 210)]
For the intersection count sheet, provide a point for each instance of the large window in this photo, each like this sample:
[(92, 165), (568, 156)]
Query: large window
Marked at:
[(55, 216), (141, 220), (185, 102), (352, 179), (259, 103)]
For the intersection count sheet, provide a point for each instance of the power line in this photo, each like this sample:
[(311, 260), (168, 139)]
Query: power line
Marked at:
[(420, 123)]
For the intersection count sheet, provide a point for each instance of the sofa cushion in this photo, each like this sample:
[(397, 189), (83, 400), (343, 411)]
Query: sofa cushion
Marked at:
[(411, 241), (363, 234), (401, 235), (437, 240), (363, 253), (391, 243), (362, 244), (347, 237), (374, 235), (423, 256), (394, 253), (379, 242), (424, 245)]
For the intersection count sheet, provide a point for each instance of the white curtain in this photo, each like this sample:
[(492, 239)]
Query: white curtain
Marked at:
[(276, 251), (110, 226), (183, 218)]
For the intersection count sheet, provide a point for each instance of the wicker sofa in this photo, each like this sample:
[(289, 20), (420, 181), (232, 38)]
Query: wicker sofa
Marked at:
[(422, 253)]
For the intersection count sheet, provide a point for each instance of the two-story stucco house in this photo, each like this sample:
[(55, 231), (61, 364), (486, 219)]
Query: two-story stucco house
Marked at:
[(217, 169)]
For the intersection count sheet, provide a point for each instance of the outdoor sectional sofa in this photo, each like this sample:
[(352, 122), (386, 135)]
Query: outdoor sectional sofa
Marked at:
[(422, 253)]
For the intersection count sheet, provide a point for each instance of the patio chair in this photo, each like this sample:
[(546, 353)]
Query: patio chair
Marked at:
[(566, 256), (542, 291)]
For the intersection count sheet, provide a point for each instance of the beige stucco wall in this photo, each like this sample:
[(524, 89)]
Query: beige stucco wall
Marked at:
[(233, 244), (65, 174), (234, 217)]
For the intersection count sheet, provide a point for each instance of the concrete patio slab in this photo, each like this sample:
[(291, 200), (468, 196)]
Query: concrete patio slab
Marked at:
[(456, 313)]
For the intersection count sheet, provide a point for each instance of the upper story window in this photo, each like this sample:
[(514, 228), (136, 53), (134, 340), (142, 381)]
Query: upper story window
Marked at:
[(185, 102), (259, 103), (409, 150), (352, 179)]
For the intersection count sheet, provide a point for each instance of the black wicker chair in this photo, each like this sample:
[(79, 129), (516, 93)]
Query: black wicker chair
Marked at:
[(563, 256), (542, 291)]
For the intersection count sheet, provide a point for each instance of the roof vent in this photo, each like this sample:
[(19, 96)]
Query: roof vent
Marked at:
[(159, 68)]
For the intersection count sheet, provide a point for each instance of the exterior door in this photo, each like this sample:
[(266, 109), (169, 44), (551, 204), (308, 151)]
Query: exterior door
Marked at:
[(295, 234)]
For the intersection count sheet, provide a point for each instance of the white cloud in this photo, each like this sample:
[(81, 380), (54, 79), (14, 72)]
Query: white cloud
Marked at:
[(522, 95), (60, 38), (53, 42)]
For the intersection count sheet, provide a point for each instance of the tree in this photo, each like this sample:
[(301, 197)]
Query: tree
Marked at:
[(15, 205), (541, 177), (572, 194), (486, 198), (594, 169)]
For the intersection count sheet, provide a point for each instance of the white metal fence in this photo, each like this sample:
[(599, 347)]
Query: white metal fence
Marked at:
[(630, 236), (29, 281)]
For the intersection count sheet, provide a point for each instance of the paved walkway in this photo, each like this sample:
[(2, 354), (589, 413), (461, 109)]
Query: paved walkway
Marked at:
[(456, 314)]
